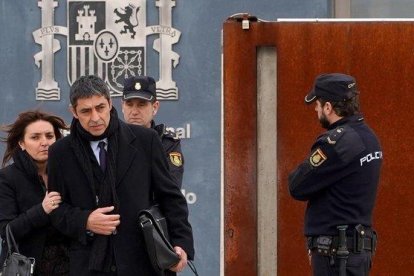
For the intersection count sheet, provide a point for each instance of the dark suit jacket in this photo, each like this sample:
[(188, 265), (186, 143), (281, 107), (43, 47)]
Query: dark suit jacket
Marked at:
[(21, 199), (142, 169)]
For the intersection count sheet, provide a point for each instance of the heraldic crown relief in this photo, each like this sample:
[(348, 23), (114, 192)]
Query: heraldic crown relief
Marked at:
[(106, 38)]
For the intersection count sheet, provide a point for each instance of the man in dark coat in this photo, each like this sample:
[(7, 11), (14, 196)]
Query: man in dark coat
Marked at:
[(107, 171), (339, 180), (139, 106)]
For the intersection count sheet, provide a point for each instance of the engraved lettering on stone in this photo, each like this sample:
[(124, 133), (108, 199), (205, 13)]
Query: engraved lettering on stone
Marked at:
[(47, 88), (166, 87)]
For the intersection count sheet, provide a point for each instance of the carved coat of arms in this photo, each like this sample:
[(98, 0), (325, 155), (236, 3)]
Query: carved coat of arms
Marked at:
[(108, 39)]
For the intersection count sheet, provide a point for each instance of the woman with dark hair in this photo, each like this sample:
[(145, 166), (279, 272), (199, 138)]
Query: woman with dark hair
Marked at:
[(25, 203)]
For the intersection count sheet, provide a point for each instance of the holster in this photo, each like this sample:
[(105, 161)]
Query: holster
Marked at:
[(364, 239)]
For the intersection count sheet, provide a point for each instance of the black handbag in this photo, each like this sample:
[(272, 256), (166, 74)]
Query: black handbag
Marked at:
[(16, 263), (160, 251)]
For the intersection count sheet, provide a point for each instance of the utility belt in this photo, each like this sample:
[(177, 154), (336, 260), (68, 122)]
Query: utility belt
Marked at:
[(362, 239)]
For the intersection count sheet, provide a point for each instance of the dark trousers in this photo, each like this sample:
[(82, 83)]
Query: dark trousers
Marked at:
[(356, 265)]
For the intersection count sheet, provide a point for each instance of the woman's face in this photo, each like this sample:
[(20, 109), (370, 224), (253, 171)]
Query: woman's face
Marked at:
[(38, 136)]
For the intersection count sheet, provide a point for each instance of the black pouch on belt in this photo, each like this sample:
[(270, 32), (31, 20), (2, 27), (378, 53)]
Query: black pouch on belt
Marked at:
[(323, 245), (359, 237)]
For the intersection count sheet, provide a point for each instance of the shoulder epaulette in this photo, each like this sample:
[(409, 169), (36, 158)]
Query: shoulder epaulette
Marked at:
[(160, 129), (170, 134), (163, 132), (335, 134)]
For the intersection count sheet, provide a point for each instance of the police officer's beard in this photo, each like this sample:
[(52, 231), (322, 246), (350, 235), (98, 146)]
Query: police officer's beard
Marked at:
[(324, 121)]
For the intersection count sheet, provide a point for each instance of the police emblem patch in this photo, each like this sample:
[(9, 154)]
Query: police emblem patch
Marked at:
[(175, 158), (317, 158)]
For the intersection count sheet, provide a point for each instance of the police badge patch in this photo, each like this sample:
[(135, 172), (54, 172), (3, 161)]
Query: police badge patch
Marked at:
[(317, 158), (175, 158)]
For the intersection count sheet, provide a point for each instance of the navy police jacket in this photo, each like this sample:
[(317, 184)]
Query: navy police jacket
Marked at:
[(339, 178), (172, 147)]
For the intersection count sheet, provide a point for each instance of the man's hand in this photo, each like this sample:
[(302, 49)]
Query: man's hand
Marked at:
[(100, 222), (183, 259)]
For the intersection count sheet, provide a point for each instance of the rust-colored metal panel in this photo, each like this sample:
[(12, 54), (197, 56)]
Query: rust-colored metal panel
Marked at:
[(381, 57), (240, 172)]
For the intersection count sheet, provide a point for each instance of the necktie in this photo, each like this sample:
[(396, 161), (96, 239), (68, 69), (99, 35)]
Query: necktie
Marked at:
[(102, 155)]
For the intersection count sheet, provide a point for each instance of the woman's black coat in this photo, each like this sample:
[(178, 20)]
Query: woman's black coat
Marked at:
[(21, 196)]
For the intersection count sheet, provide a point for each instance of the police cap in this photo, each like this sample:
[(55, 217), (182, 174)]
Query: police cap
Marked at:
[(335, 87), (140, 87)]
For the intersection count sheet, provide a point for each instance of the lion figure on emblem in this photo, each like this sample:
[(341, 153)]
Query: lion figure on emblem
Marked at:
[(126, 17)]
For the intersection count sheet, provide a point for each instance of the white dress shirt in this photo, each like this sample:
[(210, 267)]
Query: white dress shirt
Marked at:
[(95, 148)]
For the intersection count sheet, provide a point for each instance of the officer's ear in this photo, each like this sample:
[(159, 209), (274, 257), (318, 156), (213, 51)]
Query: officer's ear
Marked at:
[(155, 107), (328, 107)]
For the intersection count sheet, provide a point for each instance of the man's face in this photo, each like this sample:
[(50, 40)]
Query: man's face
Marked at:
[(323, 120), (93, 114), (139, 112)]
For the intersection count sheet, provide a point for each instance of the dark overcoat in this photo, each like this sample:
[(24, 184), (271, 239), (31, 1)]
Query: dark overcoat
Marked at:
[(141, 171), (21, 199)]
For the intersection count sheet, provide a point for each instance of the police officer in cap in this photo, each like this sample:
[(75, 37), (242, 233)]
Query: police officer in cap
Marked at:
[(140, 105), (339, 181)]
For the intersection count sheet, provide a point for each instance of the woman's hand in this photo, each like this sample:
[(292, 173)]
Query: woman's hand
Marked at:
[(51, 201)]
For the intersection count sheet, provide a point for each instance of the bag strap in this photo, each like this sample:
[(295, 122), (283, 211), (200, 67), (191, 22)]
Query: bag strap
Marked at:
[(147, 225), (192, 267), (150, 218), (11, 243)]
